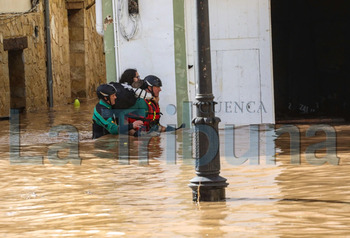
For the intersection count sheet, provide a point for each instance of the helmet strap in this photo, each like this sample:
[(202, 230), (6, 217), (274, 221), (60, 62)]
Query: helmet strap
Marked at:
[(151, 90), (107, 100)]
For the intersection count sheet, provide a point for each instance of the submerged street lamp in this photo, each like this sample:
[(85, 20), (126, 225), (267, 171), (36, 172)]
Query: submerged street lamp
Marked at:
[(208, 185)]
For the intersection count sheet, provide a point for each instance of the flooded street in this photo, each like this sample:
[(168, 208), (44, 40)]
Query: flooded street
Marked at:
[(119, 187)]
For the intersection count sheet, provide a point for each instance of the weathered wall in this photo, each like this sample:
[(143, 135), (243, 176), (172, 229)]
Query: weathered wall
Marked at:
[(77, 52), (60, 52), (32, 26), (95, 57), (4, 79), (12, 26), (87, 59)]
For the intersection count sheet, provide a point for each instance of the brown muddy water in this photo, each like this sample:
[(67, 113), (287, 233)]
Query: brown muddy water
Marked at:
[(114, 187)]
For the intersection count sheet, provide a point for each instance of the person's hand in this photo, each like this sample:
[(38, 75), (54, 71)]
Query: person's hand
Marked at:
[(137, 124), (163, 129)]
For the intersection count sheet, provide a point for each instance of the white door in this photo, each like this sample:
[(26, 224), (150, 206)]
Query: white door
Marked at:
[(240, 32)]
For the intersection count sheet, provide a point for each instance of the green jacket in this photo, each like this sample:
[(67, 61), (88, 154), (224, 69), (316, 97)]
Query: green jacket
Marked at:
[(105, 121)]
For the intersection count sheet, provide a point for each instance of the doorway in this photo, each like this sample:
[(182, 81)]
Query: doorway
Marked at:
[(77, 52), (311, 58), (17, 80)]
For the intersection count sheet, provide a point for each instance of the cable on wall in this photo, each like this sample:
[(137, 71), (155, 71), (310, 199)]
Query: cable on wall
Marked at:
[(128, 16)]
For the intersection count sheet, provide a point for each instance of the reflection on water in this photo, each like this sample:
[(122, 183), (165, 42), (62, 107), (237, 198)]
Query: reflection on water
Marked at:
[(138, 187)]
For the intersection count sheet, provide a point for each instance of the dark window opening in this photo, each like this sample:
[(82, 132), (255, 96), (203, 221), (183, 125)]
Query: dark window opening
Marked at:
[(17, 79), (311, 58)]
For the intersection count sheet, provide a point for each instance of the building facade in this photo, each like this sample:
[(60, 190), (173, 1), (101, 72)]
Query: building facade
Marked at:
[(161, 39), (271, 60), (50, 53)]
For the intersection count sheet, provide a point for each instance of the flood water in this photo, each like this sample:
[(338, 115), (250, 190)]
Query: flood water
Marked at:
[(118, 187)]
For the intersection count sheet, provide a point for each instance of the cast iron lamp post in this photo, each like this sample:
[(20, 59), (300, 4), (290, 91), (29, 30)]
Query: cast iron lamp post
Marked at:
[(208, 185)]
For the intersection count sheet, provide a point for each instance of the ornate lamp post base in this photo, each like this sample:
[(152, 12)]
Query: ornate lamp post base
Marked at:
[(209, 189), (208, 185)]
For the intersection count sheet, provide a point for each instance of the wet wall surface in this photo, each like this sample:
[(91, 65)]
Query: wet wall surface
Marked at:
[(138, 187)]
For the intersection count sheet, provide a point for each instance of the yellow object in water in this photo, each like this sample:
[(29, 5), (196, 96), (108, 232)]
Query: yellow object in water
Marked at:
[(76, 103)]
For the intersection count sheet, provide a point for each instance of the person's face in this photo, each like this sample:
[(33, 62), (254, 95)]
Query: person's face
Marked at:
[(137, 77), (156, 91), (112, 99)]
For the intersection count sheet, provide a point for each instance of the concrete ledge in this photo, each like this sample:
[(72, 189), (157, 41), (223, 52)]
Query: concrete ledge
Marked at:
[(19, 43), (71, 4)]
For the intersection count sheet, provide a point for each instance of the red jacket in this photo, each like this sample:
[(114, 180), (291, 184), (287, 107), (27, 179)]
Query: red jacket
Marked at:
[(152, 115)]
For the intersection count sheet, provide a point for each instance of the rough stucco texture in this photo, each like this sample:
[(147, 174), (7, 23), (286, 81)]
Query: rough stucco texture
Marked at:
[(60, 53), (95, 57), (92, 58), (34, 58)]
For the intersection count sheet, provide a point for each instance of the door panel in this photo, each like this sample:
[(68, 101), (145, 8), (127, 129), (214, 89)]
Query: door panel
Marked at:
[(240, 34), (237, 84)]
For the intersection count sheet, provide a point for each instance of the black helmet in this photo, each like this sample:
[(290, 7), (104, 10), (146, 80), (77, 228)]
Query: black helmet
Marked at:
[(105, 90), (152, 80)]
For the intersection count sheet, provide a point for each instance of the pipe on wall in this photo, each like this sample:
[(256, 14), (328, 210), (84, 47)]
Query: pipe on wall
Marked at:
[(116, 40), (48, 53)]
